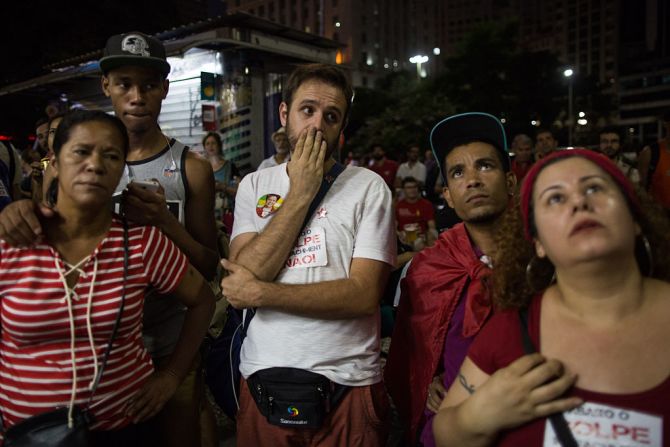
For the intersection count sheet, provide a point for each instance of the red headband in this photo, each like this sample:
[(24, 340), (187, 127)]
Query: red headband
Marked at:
[(598, 159)]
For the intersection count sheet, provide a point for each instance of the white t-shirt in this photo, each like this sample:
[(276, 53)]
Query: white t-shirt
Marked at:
[(269, 162), (418, 171), (355, 220)]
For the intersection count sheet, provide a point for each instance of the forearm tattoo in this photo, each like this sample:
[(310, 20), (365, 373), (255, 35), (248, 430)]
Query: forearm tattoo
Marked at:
[(464, 383)]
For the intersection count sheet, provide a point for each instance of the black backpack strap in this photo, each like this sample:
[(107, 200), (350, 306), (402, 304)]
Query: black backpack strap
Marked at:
[(557, 420)]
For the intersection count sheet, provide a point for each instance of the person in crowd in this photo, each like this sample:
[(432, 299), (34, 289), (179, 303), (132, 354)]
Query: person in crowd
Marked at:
[(654, 166), (386, 168), (522, 147), (282, 150), (60, 297), (545, 143), (52, 126), (226, 174), (352, 159), (316, 290), (10, 174), (433, 187), (43, 173), (135, 70), (30, 159), (444, 300), (411, 168), (415, 217), (41, 136), (587, 258), (610, 146)]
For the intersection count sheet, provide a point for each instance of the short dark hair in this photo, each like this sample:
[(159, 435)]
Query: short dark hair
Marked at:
[(611, 129), (328, 74), (545, 130), (374, 145), (409, 179), (504, 161), (216, 137), (40, 121), (76, 117)]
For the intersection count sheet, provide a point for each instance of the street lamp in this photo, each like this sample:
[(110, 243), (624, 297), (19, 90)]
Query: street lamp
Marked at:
[(418, 60), (568, 72)]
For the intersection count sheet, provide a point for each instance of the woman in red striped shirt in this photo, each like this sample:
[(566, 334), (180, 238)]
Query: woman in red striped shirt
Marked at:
[(59, 299)]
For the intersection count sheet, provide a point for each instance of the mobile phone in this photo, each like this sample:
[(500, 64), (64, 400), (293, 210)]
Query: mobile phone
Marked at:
[(147, 185)]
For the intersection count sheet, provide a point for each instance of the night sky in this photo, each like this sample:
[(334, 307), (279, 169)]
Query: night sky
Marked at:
[(38, 33)]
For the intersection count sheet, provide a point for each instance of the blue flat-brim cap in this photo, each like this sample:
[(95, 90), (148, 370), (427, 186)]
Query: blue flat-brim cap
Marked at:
[(462, 127)]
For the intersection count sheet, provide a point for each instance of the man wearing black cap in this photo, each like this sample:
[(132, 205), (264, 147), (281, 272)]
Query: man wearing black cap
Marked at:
[(444, 298), (134, 77)]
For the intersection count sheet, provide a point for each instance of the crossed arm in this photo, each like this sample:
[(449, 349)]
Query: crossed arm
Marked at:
[(257, 258)]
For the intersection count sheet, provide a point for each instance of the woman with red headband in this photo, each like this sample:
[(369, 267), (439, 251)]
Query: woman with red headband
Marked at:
[(579, 353)]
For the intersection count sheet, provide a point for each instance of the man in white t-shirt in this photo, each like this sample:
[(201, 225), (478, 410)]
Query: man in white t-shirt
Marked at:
[(411, 168), (317, 289)]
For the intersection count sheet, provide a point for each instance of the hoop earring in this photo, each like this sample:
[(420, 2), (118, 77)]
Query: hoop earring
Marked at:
[(531, 276), (650, 257)]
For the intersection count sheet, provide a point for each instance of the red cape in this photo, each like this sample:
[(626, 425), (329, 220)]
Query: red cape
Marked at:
[(430, 293)]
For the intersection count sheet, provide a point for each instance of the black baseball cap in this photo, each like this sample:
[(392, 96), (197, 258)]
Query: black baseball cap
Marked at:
[(136, 49), (468, 126)]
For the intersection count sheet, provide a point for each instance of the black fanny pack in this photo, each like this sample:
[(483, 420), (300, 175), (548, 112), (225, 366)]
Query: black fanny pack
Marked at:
[(291, 397)]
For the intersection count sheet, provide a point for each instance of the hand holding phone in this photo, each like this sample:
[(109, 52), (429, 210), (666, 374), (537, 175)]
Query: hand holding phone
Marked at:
[(148, 185)]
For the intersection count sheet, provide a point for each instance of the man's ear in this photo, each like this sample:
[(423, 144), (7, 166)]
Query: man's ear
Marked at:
[(283, 113), (511, 183), (447, 196), (104, 82)]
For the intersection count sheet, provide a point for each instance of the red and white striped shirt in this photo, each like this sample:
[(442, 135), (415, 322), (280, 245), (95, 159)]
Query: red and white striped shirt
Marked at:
[(35, 356)]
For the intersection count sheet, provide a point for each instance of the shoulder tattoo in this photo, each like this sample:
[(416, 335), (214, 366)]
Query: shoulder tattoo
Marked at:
[(464, 383)]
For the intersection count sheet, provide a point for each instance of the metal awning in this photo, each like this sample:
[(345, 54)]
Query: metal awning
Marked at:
[(230, 32)]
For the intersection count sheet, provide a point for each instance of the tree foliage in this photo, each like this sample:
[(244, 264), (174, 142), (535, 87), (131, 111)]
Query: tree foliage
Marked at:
[(489, 72)]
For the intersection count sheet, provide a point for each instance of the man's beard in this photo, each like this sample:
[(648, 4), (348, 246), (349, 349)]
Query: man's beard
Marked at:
[(610, 153), (486, 217), (293, 140)]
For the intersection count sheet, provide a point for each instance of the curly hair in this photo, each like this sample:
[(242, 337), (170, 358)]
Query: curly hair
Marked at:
[(514, 283)]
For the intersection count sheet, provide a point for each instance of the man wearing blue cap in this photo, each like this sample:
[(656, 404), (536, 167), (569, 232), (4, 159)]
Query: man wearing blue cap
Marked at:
[(444, 300)]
